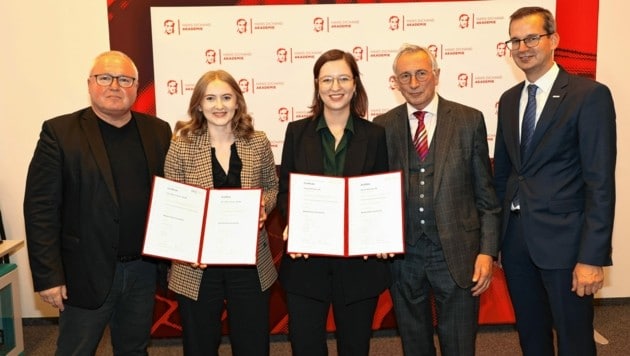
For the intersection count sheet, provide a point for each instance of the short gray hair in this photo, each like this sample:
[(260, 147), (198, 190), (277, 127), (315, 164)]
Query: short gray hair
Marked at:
[(407, 48)]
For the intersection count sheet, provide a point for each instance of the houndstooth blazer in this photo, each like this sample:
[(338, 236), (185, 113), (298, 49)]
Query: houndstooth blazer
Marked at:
[(189, 161)]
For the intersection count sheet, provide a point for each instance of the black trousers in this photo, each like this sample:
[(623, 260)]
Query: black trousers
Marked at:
[(307, 324), (236, 290), (128, 310)]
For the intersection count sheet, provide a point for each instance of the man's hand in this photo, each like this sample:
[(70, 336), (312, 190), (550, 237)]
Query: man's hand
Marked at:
[(55, 296), (482, 275), (587, 279)]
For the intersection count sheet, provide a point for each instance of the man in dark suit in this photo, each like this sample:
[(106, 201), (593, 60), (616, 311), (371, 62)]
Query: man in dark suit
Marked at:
[(85, 206), (555, 176), (452, 210)]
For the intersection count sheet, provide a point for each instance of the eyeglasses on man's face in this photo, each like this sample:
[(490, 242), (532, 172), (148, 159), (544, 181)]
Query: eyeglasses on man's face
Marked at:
[(530, 41), (106, 80), (328, 81), (420, 75)]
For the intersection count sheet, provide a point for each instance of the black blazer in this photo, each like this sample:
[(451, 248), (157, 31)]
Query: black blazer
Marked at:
[(70, 206), (302, 153), (566, 185)]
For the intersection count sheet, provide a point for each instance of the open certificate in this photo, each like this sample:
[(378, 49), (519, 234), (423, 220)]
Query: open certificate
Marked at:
[(345, 216), (206, 226)]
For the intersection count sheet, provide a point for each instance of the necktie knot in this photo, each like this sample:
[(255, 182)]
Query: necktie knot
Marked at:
[(531, 89), (419, 115)]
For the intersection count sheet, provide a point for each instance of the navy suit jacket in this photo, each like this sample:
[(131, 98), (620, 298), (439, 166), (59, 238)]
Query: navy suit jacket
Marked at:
[(302, 153), (566, 185), (71, 208)]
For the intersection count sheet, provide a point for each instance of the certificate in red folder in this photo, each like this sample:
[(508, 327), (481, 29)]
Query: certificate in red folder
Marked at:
[(345, 216), (206, 226)]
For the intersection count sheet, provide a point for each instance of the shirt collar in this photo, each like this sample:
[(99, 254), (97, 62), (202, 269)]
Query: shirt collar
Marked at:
[(431, 108), (545, 82), (321, 124)]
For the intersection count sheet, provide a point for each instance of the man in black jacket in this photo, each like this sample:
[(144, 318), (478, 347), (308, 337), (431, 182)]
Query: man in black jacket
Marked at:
[(85, 207)]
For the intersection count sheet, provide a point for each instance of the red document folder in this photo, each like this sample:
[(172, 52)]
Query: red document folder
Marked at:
[(346, 216), (206, 226)]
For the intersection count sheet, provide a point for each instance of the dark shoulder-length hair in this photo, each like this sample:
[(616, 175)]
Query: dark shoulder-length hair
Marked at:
[(242, 125), (359, 102)]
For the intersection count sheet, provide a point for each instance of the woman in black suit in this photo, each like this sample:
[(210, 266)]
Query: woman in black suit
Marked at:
[(335, 140)]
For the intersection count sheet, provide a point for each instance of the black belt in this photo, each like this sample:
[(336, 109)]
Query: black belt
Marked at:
[(129, 258)]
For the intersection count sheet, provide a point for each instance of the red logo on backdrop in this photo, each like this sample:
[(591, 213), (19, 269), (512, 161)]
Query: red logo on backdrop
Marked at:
[(392, 83), (318, 24), (169, 27), (303, 55), (462, 80), (281, 55), (381, 54), (489, 20), (357, 52), (211, 56), (172, 87), (241, 26), (433, 49), (283, 114), (394, 23), (501, 49), (488, 79), (234, 56), (244, 85), (464, 21)]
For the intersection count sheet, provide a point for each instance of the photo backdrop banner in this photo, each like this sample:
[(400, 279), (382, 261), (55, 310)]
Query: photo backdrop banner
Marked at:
[(270, 50)]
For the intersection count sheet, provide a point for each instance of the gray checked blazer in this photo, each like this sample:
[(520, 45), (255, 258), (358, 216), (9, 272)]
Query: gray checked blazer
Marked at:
[(467, 210), (190, 162)]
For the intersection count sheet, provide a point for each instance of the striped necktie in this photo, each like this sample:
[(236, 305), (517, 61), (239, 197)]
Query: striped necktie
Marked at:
[(529, 120), (420, 140)]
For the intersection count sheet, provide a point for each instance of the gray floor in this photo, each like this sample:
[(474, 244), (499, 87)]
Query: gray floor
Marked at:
[(612, 321)]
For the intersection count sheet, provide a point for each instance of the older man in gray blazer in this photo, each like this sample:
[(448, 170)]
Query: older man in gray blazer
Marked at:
[(452, 219)]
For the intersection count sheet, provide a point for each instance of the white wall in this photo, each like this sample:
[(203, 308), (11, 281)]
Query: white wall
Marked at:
[(46, 58), (613, 70), (47, 55)]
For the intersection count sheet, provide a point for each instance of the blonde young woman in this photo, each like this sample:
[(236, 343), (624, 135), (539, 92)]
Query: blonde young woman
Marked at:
[(219, 148)]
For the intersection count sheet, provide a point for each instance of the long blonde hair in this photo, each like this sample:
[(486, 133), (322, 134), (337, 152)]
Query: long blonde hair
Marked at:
[(242, 125)]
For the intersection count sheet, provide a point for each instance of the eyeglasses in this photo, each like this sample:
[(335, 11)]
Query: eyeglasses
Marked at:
[(421, 76), (106, 80), (530, 41), (342, 80)]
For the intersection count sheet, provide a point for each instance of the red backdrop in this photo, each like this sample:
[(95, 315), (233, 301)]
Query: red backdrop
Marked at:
[(130, 32)]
